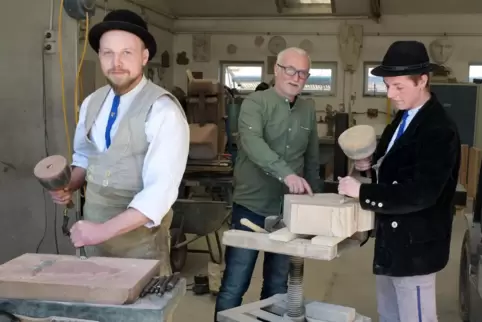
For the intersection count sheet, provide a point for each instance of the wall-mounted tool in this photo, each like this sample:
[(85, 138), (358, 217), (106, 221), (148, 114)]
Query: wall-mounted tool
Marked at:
[(54, 173), (372, 113), (78, 9)]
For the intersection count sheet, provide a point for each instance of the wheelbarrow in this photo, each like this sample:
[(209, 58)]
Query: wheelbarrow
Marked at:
[(199, 218)]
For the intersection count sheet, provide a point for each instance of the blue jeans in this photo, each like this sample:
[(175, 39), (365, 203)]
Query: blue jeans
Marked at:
[(240, 264)]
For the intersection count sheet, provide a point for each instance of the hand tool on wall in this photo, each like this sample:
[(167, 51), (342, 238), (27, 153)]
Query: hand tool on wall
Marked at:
[(54, 173)]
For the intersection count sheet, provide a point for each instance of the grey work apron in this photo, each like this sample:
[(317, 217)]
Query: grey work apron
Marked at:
[(104, 203)]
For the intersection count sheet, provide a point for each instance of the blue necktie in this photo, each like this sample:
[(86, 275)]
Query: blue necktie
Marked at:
[(401, 129), (111, 120)]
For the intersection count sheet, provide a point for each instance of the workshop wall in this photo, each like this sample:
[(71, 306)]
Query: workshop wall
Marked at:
[(31, 125), (464, 30)]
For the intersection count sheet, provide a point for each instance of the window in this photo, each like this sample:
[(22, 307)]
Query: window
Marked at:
[(244, 77), (475, 71), (373, 85), (322, 80)]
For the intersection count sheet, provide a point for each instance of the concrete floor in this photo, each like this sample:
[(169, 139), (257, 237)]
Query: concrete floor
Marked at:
[(347, 280)]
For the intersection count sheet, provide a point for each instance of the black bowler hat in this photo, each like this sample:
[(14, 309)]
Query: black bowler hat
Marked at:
[(405, 58), (123, 20)]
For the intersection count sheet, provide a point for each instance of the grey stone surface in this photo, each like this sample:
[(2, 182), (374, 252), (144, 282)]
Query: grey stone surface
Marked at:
[(152, 308)]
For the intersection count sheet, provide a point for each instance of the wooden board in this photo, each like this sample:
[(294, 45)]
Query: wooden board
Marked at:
[(273, 309), (475, 157), (464, 163), (299, 247), (98, 280)]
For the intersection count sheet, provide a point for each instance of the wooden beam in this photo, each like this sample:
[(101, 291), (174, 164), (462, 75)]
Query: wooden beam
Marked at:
[(279, 5), (333, 6), (375, 10)]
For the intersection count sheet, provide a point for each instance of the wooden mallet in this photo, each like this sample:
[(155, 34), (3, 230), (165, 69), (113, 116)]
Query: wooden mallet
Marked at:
[(358, 142), (54, 173)]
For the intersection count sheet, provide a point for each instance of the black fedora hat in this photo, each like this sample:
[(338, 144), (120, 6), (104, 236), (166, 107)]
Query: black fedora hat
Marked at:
[(405, 58), (125, 20)]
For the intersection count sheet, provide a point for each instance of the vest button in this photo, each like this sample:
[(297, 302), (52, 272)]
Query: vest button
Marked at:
[(105, 183), (394, 224)]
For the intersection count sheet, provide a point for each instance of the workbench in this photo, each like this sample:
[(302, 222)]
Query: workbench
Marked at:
[(151, 308), (289, 307)]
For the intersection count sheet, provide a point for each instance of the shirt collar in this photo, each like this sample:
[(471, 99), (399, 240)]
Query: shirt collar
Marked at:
[(414, 111), (282, 98)]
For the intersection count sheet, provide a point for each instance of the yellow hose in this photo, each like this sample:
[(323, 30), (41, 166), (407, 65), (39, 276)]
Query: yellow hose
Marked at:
[(62, 82), (77, 78), (78, 84)]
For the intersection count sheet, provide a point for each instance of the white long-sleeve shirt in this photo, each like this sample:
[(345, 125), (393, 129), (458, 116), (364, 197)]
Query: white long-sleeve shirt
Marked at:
[(167, 132)]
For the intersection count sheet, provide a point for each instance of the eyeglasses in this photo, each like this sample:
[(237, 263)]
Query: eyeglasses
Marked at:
[(290, 71)]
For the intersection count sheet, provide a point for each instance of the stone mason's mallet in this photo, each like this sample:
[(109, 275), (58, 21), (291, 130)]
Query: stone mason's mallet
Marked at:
[(54, 173), (358, 142)]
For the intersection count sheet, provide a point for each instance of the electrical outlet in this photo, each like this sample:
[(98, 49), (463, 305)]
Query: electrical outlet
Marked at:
[(50, 41), (50, 48), (50, 35)]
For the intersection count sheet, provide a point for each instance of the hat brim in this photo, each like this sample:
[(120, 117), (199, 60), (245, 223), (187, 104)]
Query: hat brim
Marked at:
[(381, 71), (98, 30)]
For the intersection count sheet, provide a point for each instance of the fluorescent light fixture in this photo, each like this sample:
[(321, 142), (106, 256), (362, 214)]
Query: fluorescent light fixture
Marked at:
[(312, 1)]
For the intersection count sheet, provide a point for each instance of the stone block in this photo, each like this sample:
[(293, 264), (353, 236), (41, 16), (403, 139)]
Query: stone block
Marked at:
[(325, 214)]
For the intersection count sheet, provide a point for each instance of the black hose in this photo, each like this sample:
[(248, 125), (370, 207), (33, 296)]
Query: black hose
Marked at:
[(12, 317)]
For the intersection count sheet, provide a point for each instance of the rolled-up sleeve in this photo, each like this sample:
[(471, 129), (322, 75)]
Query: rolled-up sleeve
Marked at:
[(167, 132), (81, 149)]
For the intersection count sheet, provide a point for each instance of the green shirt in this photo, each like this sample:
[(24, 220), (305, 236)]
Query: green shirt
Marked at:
[(274, 141)]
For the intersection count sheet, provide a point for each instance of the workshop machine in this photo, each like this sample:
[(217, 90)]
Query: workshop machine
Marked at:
[(204, 202), (470, 274)]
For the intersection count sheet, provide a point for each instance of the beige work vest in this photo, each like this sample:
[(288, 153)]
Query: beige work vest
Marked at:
[(114, 177)]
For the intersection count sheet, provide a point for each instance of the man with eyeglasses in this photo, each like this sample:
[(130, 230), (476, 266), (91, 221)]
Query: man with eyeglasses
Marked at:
[(278, 154)]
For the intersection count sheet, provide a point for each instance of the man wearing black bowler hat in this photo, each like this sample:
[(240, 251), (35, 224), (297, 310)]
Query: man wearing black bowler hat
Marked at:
[(131, 146), (414, 179)]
